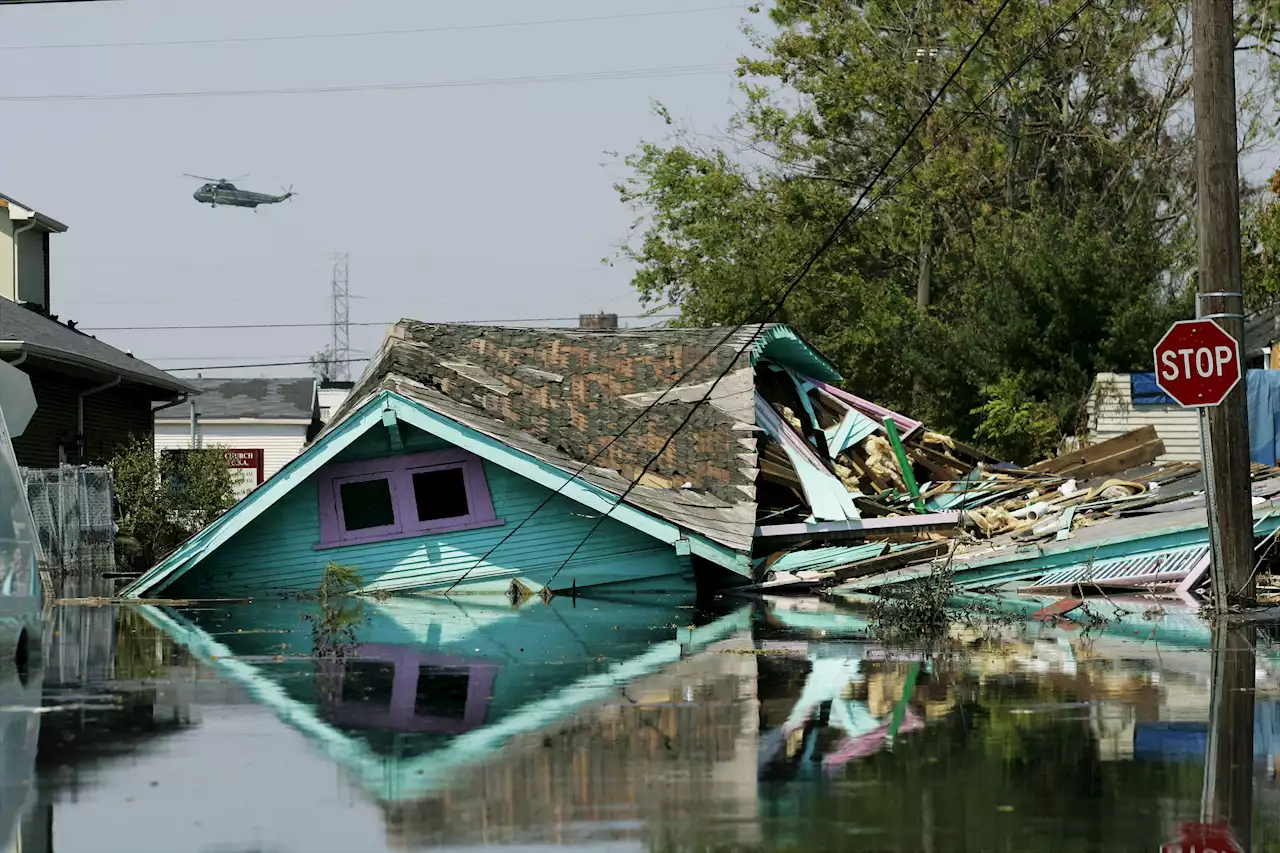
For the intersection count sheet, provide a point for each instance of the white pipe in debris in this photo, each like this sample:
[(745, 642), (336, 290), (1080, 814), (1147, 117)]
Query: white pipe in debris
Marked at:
[(1033, 512)]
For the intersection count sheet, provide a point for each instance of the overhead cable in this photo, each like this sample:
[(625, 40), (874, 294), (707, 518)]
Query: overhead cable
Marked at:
[(450, 28), (852, 215), (478, 83)]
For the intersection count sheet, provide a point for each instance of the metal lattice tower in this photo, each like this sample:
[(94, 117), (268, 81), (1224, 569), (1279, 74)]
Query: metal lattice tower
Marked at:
[(341, 345)]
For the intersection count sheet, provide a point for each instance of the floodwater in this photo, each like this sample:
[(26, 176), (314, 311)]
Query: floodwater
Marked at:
[(654, 724)]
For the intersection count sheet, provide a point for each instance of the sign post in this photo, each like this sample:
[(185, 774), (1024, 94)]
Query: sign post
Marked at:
[(1198, 365)]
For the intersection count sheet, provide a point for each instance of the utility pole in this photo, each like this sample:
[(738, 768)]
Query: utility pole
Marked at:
[(340, 348), (1226, 440)]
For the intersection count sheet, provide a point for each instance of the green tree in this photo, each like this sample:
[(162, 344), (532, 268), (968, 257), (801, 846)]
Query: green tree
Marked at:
[(1047, 238), (164, 498)]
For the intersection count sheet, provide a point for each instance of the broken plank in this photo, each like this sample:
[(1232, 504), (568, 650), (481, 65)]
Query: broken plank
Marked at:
[(904, 462), (1138, 447), (1059, 608), (780, 535)]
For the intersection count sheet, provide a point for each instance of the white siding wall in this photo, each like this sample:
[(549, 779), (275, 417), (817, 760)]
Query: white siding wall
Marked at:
[(279, 443), (1112, 413), (330, 400)]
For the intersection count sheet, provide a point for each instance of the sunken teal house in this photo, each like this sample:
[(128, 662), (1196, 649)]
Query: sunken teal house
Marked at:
[(482, 459)]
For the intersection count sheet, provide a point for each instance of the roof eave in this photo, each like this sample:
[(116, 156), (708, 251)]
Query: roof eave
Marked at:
[(50, 224), (52, 354)]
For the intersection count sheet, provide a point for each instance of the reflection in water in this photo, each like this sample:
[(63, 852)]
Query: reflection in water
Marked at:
[(1229, 760), (641, 724)]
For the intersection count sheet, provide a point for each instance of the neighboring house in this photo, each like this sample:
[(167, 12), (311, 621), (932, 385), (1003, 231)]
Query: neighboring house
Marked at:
[(333, 393), (266, 421), (90, 396), (24, 253), (1262, 341), (455, 435), (1121, 402)]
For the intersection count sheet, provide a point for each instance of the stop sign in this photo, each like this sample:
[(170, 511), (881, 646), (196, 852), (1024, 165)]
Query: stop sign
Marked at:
[(1197, 363)]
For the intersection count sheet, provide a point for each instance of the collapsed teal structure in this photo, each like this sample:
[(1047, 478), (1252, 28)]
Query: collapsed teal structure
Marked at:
[(456, 435)]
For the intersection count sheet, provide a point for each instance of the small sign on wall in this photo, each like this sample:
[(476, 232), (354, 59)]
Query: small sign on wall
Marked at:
[(246, 469)]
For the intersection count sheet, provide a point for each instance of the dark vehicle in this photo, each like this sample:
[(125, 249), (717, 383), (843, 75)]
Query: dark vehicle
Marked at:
[(219, 191)]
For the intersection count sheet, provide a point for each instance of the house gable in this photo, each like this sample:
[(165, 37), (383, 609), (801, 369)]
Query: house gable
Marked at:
[(282, 549), (268, 540)]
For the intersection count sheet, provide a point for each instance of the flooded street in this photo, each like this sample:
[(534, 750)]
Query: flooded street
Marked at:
[(630, 724)]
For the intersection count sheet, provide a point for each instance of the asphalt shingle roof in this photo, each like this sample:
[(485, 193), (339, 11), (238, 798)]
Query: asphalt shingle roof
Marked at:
[(52, 339), (561, 395), (289, 398)]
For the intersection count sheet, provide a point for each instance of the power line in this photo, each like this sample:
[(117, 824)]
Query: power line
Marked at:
[(850, 215), (257, 364), (531, 80), (181, 327), (855, 212), (152, 359), (368, 33)]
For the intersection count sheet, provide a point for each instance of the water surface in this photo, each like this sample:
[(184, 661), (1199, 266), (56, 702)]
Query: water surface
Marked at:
[(638, 723)]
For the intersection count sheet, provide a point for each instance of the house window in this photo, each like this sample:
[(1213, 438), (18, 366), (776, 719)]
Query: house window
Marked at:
[(403, 496), (366, 505)]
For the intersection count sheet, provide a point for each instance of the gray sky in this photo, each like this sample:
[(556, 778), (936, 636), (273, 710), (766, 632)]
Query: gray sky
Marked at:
[(460, 203)]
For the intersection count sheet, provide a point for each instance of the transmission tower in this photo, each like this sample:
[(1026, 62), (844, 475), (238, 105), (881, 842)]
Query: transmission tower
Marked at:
[(341, 346)]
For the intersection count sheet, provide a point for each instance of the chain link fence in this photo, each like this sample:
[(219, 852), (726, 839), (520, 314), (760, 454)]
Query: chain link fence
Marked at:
[(73, 512)]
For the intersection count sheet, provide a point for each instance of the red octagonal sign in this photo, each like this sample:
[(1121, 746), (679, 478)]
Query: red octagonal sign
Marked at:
[(1197, 363)]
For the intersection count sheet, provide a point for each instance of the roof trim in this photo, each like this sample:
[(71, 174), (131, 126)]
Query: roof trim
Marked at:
[(64, 357), (369, 414), (782, 344)]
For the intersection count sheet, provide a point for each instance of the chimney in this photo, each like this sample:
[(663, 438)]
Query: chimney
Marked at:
[(598, 322)]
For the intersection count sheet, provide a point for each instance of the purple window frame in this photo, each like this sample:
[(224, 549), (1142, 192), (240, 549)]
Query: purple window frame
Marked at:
[(400, 716), (398, 471)]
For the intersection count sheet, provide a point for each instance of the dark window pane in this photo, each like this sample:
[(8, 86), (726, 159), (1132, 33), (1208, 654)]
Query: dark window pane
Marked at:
[(369, 683), (367, 503), (442, 692), (440, 494)]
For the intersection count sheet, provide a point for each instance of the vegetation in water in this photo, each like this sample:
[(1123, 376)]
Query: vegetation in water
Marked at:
[(339, 580), (161, 499), (1049, 236), (915, 614)]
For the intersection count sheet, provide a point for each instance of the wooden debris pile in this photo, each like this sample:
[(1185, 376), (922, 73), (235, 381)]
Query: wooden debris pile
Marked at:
[(827, 448)]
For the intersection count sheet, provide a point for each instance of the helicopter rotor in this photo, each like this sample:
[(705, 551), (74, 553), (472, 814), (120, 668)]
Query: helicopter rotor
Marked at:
[(215, 180)]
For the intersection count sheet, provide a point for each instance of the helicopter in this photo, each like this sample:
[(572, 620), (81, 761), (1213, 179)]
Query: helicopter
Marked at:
[(221, 191)]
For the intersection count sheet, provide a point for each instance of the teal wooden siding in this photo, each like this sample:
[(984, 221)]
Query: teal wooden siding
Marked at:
[(276, 551)]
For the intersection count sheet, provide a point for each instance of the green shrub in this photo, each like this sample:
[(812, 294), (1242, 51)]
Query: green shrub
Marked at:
[(161, 499)]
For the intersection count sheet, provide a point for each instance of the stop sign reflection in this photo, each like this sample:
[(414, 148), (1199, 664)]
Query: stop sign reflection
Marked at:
[(1197, 363)]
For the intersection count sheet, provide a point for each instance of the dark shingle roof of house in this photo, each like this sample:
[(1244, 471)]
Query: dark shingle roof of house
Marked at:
[(560, 395), (22, 329), (290, 398)]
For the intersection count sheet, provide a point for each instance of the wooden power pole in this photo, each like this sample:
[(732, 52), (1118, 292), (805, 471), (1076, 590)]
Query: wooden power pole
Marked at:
[(1227, 476)]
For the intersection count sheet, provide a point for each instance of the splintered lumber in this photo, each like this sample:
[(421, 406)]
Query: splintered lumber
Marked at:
[(1139, 447), (782, 535)]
